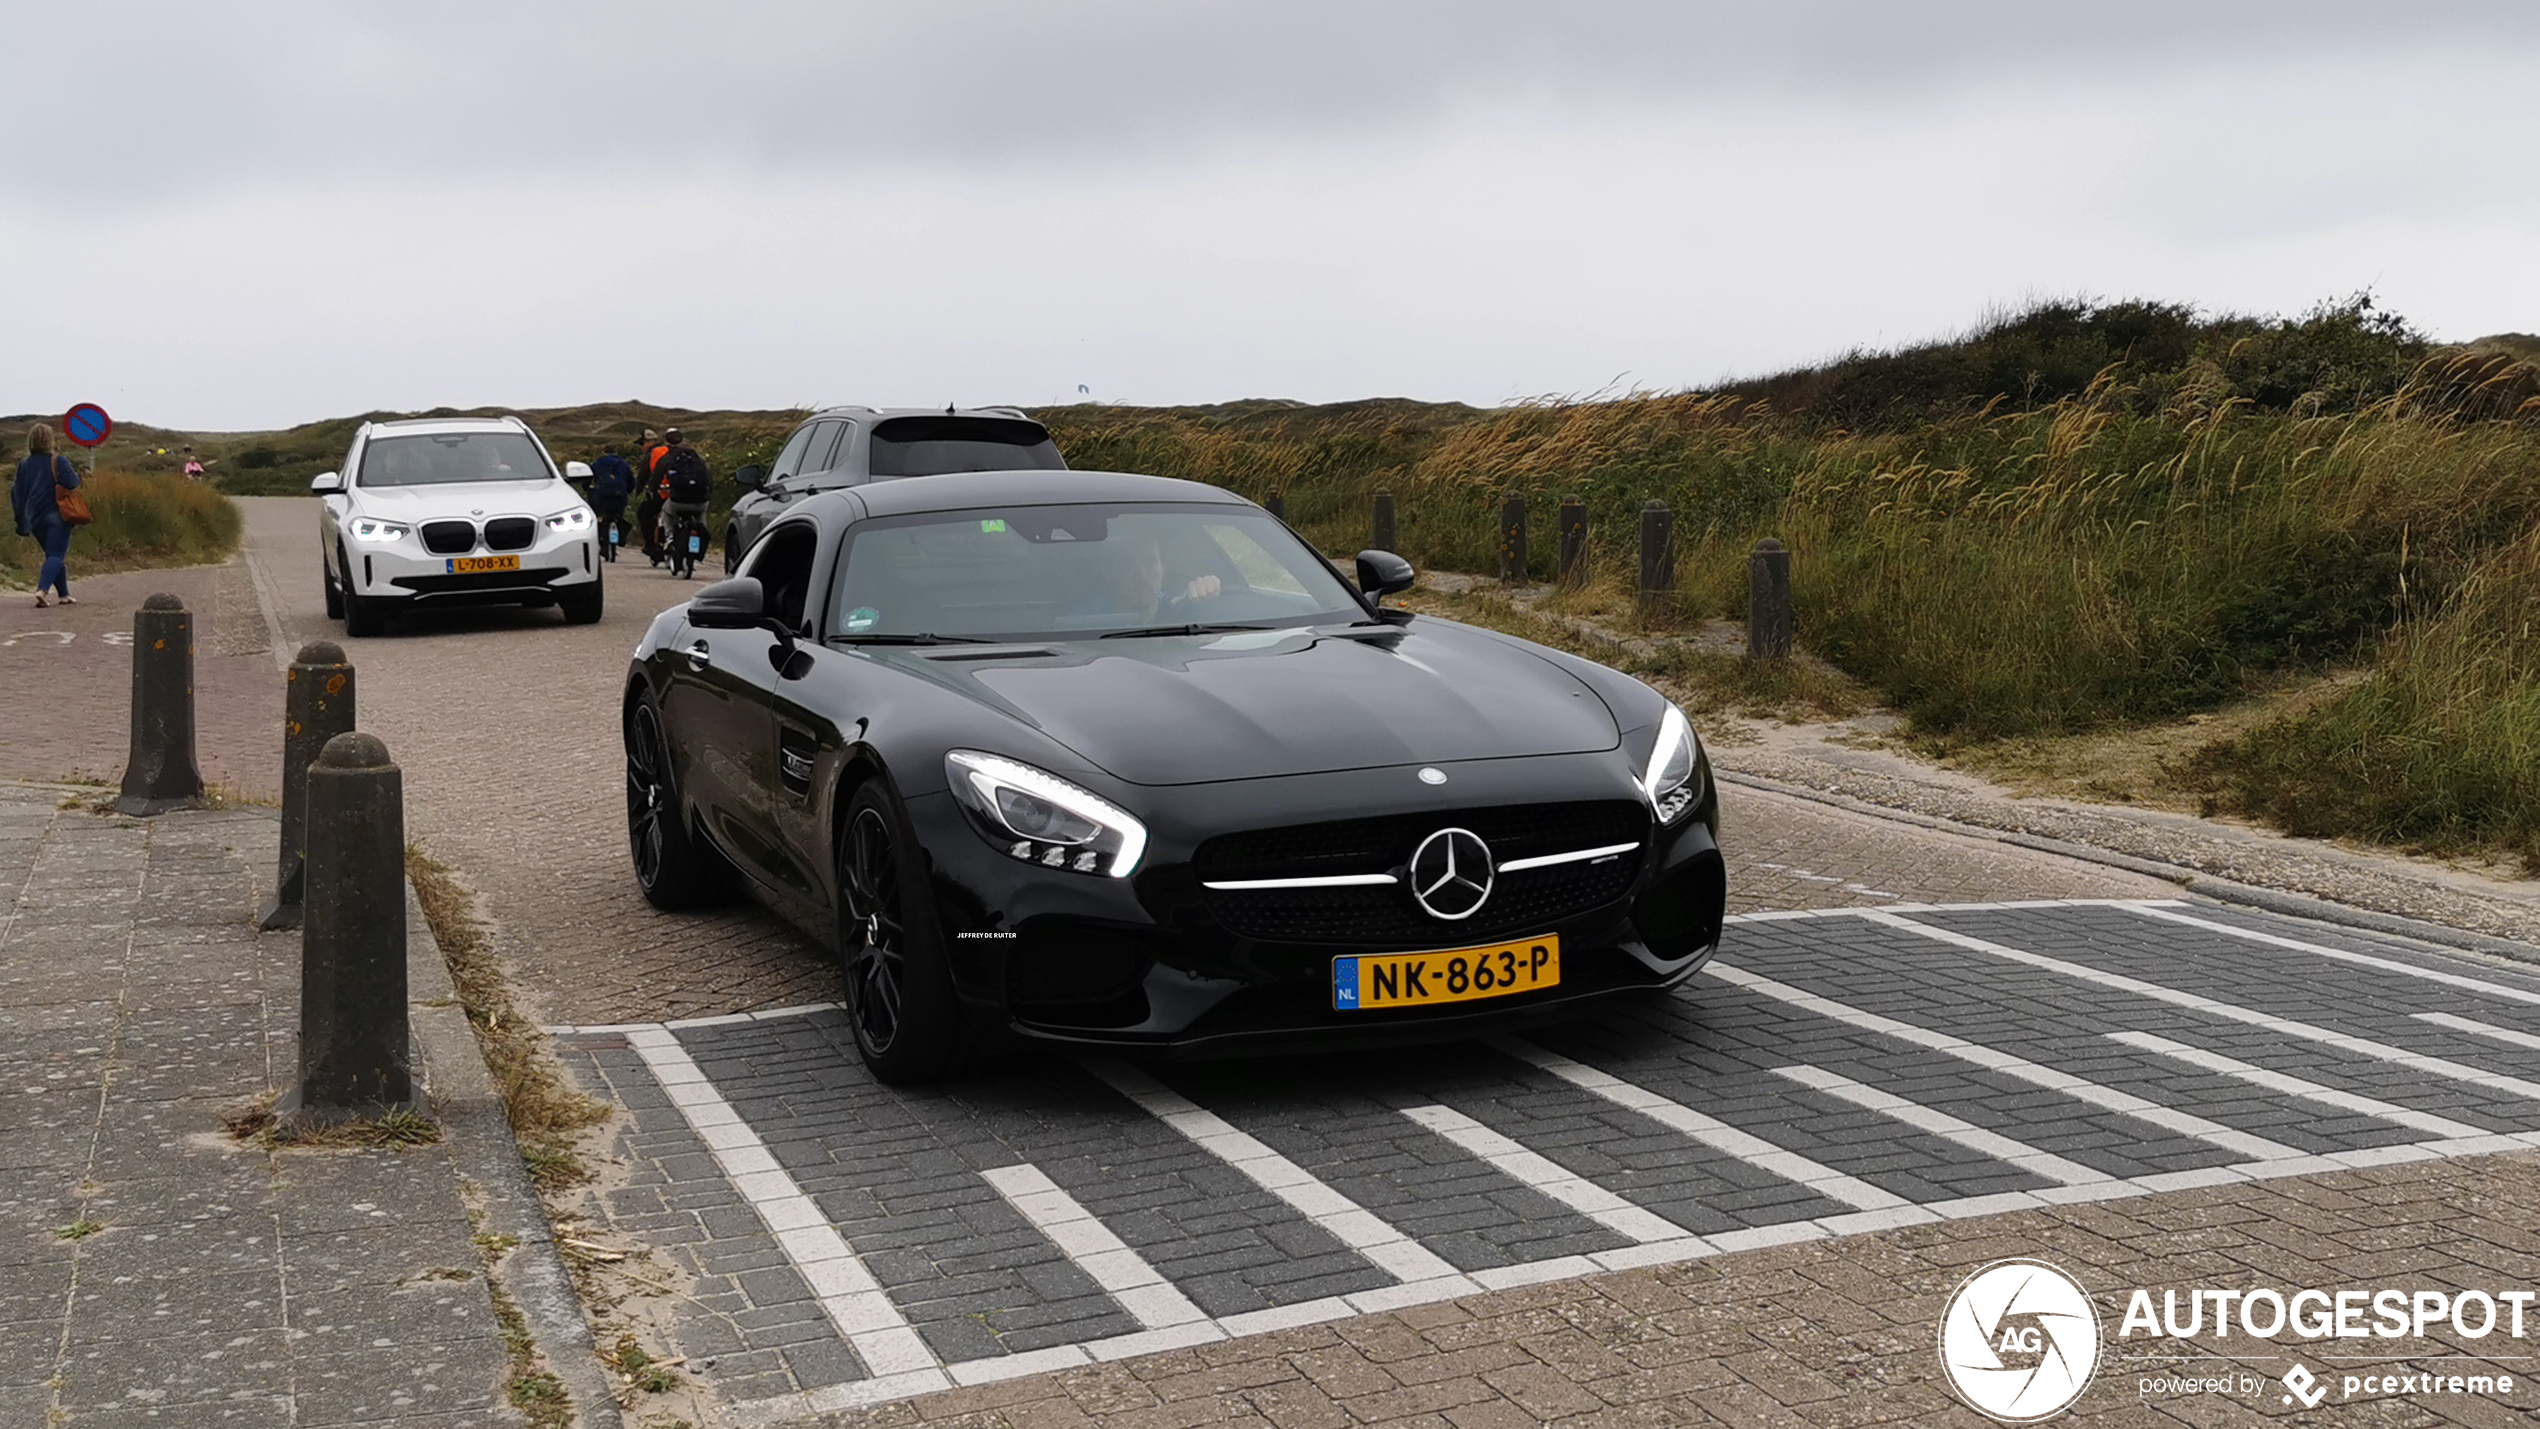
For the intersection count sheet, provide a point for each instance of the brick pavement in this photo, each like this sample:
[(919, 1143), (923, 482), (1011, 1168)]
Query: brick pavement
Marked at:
[(220, 1283)]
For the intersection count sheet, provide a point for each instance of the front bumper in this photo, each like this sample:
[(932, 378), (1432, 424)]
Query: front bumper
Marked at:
[(1146, 963), (403, 571)]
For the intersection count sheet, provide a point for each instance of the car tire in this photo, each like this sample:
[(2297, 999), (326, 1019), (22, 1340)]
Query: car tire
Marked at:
[(896, 976), (334, 592), (582, 604), (673, 866)]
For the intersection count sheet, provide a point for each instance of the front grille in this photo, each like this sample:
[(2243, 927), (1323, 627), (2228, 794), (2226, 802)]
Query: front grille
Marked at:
[(510, 533), (478, 581), (449, 538), (1521, 902)]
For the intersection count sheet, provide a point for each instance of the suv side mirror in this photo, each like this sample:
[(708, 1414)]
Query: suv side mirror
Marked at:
[(736, 604), (577, 471), (326, 481), (1381, 573), (750, 478)]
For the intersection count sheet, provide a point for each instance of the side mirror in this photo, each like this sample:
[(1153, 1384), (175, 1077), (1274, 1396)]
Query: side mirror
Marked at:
[(326, 481), (736, 604), (750, 478), (577, 471), (1381, 573)]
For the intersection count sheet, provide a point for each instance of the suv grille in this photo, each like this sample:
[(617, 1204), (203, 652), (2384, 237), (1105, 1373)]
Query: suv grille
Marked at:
[(510, 533), (1521, 902), (449, 538)]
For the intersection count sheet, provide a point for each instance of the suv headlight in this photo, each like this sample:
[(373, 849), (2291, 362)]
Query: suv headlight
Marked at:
[(366, 529), (1669, 783), (577, 519), (1041, 818)]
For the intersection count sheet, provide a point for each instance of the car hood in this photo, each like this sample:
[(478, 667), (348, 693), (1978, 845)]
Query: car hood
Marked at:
[(1188, 710), (461, 498)]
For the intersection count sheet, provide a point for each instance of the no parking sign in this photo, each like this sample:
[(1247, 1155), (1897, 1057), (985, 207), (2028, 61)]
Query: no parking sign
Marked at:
[(87, 424)]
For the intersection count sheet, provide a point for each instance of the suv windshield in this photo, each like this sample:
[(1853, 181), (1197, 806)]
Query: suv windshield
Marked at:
[(931, 446), (452, 457), (1080, 571)]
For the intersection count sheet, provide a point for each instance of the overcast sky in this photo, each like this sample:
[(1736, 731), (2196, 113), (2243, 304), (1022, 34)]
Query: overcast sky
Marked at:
[(249, 215)]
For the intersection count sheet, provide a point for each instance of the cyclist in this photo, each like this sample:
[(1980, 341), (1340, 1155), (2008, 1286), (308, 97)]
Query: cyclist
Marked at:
[(612, 481), (687, 484), (648, 478)]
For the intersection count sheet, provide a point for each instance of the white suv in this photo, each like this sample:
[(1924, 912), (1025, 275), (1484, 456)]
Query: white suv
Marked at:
[(453, 511)]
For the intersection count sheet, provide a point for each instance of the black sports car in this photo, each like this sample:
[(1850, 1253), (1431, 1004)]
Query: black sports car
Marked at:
[(1120, 761)]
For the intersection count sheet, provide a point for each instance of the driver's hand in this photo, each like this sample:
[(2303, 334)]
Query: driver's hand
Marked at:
[(1200, 588)]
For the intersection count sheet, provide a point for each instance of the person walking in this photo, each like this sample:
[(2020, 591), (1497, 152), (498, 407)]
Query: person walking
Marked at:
[(33, 500)]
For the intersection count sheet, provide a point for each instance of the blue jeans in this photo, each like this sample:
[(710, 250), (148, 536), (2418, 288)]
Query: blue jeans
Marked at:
[(54, 534)]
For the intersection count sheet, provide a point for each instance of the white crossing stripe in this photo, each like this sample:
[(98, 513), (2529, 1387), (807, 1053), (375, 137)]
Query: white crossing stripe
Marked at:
[(1941, 1124), (1353, 1225), (2482, 1029), (1709, 1130), (2257, 1148), (2360, 1046), (1107, 1260), (854, 1301), (2274, 1081), (1525, 1167), (2481, 986)]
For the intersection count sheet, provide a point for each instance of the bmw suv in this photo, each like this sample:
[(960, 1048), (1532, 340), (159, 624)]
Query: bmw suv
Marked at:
[(453, 511), (849, 446)]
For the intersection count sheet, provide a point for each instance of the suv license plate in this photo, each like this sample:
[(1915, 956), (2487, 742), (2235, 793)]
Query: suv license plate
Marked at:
[(1454, 975), (479, 565)]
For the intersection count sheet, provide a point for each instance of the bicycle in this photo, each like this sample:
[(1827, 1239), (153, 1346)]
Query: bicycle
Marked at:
[(684, 536), (612, 534)]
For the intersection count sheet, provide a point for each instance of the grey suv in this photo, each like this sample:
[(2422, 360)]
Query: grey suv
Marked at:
[(849, 446)]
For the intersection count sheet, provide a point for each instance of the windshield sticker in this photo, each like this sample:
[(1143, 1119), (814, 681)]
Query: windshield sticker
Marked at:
[(862, 617), (992, 525)]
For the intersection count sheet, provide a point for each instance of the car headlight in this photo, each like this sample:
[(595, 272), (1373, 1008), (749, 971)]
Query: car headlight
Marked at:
[(367, 529), (577, 519), (1040, 818), (1669, 783)]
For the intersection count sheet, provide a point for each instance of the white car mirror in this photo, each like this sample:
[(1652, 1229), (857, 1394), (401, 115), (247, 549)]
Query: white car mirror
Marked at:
[(326, 481), (577, 471)]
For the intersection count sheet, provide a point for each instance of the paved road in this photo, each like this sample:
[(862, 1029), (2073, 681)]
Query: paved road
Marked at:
[(506, 725), (1838, 1073)]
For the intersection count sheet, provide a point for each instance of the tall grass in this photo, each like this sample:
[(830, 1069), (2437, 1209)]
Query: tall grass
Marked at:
[(152, 520)]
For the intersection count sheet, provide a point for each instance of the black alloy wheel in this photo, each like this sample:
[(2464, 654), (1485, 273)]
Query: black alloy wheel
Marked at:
[(899, 994), (675, 868)]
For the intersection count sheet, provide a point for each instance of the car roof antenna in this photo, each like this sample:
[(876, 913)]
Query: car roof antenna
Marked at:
[(951, 407)]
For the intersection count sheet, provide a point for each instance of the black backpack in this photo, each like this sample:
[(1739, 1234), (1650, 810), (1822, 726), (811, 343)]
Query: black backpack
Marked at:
[(686, 473)]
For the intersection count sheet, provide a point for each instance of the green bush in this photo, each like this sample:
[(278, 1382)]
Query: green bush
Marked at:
[(153, 520)]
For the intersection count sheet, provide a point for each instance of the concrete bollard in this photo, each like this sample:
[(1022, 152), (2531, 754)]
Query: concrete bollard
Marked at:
[(1384, 522), (1657, 557), (160, 774), (317, 705), (1512, 539), (1570, 528), (1768, 619), (355, 1059), (1277, 505)]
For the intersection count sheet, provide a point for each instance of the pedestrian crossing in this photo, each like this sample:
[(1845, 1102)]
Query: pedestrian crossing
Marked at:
[(1836, 1072)]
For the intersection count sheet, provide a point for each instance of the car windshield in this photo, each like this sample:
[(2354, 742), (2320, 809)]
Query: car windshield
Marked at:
[(1078, 572), (932, 446), (451, 457)]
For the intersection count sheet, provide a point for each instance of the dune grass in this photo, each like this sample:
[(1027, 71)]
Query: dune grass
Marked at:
[(144, 520)]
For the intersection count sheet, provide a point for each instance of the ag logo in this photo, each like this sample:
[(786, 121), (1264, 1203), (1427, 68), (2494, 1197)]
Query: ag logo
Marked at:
[(2019, 1341)]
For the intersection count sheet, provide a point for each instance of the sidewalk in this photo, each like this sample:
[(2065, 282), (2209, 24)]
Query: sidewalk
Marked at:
[(152, 1269)]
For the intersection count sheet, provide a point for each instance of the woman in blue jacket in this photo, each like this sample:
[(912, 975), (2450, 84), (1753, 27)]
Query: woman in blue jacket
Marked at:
[(31, 501)]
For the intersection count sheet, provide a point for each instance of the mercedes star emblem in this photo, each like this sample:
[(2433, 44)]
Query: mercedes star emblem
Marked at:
[(1451, 873)]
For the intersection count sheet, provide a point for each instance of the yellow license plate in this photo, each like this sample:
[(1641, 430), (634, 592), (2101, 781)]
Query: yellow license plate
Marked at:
[(1455, 975), (478, 565)]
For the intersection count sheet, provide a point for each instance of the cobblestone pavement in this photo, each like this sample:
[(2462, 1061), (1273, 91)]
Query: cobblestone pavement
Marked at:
[(1838, 1075), (69, 670), (152, 1270)]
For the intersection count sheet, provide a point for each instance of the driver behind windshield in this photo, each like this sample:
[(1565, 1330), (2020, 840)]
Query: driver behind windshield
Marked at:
[(1134, 583)]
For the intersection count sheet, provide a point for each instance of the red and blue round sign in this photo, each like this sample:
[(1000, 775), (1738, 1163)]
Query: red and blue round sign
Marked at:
[(87, 424)]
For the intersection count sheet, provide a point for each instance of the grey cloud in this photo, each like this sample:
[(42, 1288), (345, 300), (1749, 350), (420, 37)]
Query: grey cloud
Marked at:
[(163, 101)]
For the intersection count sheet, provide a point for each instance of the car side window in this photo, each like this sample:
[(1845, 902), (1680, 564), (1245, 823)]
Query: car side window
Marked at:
[(828, 456), (782, 563), (815, 458), (790, 459)]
